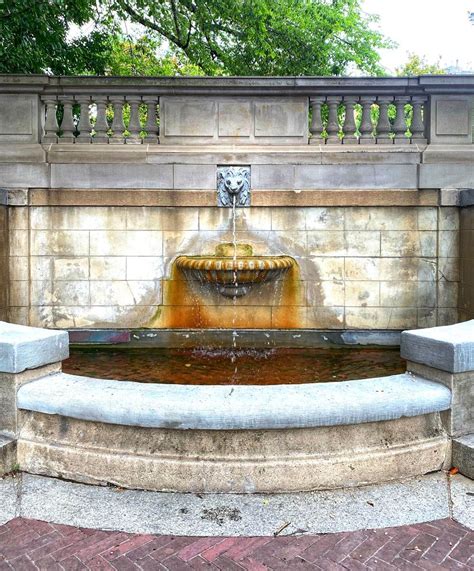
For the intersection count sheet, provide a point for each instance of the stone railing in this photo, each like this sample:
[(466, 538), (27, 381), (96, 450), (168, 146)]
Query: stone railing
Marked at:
[(360, 111)]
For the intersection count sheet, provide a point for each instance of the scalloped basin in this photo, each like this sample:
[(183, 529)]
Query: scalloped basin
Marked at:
[(234, 275)]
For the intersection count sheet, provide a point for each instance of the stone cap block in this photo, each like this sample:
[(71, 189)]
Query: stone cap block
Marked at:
[(234, 407), (24, 347), (449, 348), (463, 454)]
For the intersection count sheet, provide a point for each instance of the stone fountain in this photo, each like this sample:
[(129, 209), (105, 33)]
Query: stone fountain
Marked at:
[(233, 269)]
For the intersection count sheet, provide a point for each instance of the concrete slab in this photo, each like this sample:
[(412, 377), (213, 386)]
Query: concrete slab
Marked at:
[(9, 498), (24, 347), (462, 500), (449, 348), (463, 455), (400, 503)]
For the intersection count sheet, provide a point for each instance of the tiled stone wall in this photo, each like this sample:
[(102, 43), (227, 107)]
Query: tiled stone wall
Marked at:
[(466, 301), (360, 267), (3, 262)]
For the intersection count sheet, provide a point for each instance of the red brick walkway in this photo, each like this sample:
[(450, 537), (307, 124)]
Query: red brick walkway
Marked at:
[(31, 544)]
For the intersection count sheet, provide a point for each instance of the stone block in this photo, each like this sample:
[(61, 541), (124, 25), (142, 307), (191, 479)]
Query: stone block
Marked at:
[(326, 243), (362, 269), (407, 294), (19, 293), (362, 243), (130, 243), (362, 293), (195, 177), (70, 293), (59, 243), (108, 268), (289, 218), (145, 268), (24, 175), (18, 242), (19, 118), (18, 218), (355, 176), (407, 269), (397, 243), (24, 348), (19, 268), (111, 176), (448, 243), (281, 117), (448, 294), (235, 118), (463, 455), (41, 268), (449, 348), (125, 293), (380, 317), (453, 117), (449, 218), (324, 269), (188, 117), (325, 218), (181, 218), (446, 175), (273, 177), (68, 269)]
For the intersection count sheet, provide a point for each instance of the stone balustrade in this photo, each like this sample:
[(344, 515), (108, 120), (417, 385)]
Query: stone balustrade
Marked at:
[(322, 111)]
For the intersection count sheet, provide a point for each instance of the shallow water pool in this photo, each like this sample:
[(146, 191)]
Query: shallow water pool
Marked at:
[(235, 366)]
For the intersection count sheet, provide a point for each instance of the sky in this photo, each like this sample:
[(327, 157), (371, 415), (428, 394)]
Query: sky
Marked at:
[(432, 28)]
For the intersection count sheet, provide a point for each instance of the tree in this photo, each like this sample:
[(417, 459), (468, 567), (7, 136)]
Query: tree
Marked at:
[(418, 65), (213, 37), (33, 37), (262, 37), (139, 57)]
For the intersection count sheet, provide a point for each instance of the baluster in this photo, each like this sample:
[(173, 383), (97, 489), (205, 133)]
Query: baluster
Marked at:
[(349, 127), (366, 126), (383, 126), (332, 127), (400, 125), (84, 126), (101, 125), (117, 126), (316, 127), (51, 126), (417, 123), (67, 125), (134, 126), (151, 127)]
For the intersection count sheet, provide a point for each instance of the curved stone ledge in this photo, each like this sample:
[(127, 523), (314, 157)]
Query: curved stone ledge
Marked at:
[(230, 407)]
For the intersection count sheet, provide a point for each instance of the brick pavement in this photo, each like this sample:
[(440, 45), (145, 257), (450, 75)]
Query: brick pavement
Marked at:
[(32, 544)]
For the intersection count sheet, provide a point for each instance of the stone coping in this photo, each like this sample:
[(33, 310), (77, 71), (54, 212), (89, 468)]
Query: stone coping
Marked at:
[(238, 85), (185, 407), (449, 348), (23, 347)]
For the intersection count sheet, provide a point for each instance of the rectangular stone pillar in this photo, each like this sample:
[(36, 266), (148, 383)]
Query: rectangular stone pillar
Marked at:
[(26, 354), (446, 355), (3, 255)]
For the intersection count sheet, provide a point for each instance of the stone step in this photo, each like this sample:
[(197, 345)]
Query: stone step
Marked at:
[(463, 455)]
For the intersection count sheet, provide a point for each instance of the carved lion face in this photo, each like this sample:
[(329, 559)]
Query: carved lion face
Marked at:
[(234, 180)]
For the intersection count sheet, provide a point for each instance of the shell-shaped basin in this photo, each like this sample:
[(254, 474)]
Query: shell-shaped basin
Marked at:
[(234, 275)]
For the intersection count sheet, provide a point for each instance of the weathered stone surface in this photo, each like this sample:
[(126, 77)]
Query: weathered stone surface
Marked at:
[(425, 498), (463, 455), (7, 459), (248, 461), (355, 176), (95, 176), (449, 348), (19, 118), (201, 407), (24, 348)]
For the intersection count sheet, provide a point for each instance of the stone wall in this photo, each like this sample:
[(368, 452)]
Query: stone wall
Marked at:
[(359, 267), (466, 298), (3, 257)]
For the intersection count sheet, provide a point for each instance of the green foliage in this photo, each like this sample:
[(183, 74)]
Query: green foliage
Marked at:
[(262, 37), (33, 37), (139, 57), (188, 37), (418, 65)]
